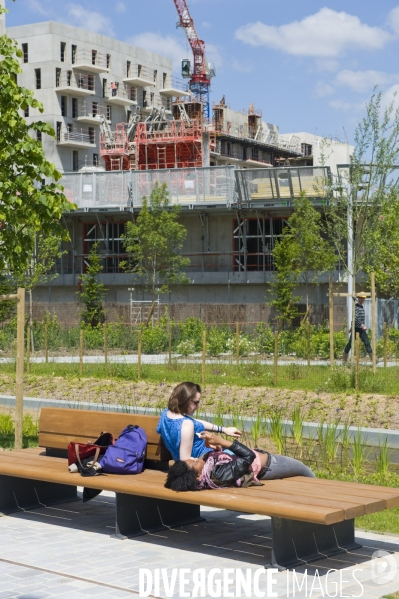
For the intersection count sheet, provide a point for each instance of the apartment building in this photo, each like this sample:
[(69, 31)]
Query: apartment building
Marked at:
[(79, 75)]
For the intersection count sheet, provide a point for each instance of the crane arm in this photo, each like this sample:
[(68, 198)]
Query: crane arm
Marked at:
[(197, 45)]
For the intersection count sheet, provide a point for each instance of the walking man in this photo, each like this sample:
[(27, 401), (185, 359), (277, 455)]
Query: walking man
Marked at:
[(360, 327)]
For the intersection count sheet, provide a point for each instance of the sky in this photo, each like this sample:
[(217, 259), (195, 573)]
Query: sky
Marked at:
[(310, 66)]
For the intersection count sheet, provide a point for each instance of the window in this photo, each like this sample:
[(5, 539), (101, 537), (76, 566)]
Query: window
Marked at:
[(128, 65), (139, 69), (75, 160), (62, 51), (63, 106), (91, 135), (132, 94), (69, 127), (25, 52), (152, 98), (73, 53), (256, 238), (128, 116), (69, 77), (156, 77), (94, 57), (38, 78), (59, 125), (57, 77), (144, 99), (26, 112), (164, 79), (108, 61), (74, 108), (104, 88), (95, 159), (39, 136), (109, 113), (90, 82), (95, 108)]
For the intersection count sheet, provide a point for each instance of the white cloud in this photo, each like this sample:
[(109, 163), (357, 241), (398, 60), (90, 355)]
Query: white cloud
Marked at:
[(206, 24), (347, 106), (327, 33), (393, 20), (39, 7), (323, 89), (242, 67), (362, 81), (170, 47), (89, 19), (120, 7), (327, 64), (159, 44), (390, 96)]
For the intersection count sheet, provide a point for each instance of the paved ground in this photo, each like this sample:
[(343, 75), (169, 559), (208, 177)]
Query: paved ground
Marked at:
[(68, 553)]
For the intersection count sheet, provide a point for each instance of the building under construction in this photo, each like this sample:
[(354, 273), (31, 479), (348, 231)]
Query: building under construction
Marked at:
[(123, 122)]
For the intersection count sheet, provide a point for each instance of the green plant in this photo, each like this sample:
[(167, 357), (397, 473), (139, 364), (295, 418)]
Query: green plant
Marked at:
[(186, 348), (257, 427), (192, 330), (297, 427), (6, 424), (383, 460), (216, 340), (155, 338), (91, 292), (264, 338), (276, 430), (359, 454), (245, 345)]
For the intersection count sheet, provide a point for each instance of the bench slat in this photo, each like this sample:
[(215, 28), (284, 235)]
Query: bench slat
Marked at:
[(332, 483), (89, 423)]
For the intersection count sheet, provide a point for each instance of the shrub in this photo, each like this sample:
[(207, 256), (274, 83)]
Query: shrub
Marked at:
[(264, 338), (216, 342), (191, 330), (155, 338), (245, 345), (186, 348)]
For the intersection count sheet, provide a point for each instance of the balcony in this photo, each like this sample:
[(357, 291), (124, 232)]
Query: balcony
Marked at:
[(91, 61), (76, 139), (89, 113), (122, 95), (173, 87), (76, 84), (140, 76), (157, 103)]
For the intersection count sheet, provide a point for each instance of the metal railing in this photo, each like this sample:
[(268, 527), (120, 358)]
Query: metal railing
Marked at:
[(91, 109), (125, 92), (90, 57), (83, 136), (126, 189), (170, 82), (75, 80), (282, 185), (158, 103)]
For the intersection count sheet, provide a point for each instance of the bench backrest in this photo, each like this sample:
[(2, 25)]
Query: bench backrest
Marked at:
[(59, 426)]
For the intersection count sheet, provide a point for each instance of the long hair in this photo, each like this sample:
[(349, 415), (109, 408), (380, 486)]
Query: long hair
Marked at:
[(181, 477), (181, 397)]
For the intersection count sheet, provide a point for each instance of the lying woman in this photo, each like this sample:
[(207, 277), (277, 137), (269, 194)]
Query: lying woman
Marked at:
[(217, 469), (178, 428)]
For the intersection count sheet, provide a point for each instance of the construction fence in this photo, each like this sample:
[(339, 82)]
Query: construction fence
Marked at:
[(248, 354)]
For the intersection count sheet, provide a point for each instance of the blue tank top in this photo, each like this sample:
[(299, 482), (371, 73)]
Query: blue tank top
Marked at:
[(170, 430)]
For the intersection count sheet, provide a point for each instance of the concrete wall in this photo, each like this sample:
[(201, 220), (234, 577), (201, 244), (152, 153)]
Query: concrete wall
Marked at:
[(44, 41)]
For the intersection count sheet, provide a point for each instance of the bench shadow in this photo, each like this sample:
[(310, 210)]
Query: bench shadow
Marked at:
[(224, 534)]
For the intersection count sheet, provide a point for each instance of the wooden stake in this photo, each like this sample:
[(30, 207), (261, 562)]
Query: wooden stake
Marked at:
[(203, 356), (19, 399), (357, 363), (331, 318), (46, 341), (385, 344), (81, 353), (237, 343), (28, 348), (170, 345), (275, 357), (308, 340), (373, 323), (139, 334), (105, 344)]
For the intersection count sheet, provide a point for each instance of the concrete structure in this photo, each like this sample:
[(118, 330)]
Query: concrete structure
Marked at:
[(72, 72), (319, 151)]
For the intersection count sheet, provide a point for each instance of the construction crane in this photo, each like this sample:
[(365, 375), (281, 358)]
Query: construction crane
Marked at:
[(200, 77)]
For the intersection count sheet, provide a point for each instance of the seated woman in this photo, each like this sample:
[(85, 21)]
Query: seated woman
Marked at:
[(218, 469), (179, 429)]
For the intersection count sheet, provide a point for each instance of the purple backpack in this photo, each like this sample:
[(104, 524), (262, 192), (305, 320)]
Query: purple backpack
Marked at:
[(128, 454)]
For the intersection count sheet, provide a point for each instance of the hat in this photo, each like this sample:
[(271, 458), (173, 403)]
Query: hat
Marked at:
[(361, 294)]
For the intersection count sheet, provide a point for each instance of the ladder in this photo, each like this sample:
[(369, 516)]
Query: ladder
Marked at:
[(161, 157)]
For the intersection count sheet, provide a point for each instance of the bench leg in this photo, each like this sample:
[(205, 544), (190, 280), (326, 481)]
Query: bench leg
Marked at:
[(138, 515), (296, 543), (18, 494)]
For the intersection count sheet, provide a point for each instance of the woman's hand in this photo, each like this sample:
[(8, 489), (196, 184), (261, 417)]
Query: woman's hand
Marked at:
[(214, 441), (232, 431)]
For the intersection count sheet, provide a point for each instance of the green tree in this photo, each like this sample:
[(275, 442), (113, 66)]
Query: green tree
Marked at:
[(300, 256), (92, 293), (364, 197), (26, 203), (153, 242), (7, 309)]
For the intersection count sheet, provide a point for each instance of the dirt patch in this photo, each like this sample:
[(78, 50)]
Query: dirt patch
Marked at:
[(369, 410)]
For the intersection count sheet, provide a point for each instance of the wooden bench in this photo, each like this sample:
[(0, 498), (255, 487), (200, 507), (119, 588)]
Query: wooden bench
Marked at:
[(311, 518)]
